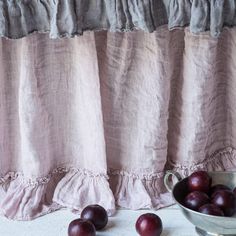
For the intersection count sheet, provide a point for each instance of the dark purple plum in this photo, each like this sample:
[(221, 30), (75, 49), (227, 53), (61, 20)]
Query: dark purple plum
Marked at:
[(199, 181), (225, 200), (211, 209), (195, 200), (218, 187), (149, 225), (95, 214), (81, 227)]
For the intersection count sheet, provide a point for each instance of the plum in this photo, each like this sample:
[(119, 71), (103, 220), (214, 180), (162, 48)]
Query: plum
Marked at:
[(199, 181), (96, 214), (80, 227), (149, 225), (218, 187), (225, 200), (195, 200), (211, 209)]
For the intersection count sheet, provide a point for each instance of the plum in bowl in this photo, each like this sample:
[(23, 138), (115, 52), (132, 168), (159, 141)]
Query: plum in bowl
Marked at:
[(208, 225)]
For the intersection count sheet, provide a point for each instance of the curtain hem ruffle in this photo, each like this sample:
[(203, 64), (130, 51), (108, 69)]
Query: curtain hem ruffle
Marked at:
[(23, 199)]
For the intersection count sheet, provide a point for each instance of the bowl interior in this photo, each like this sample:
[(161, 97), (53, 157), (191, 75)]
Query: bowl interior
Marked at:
[(227, 178), (215, 224)]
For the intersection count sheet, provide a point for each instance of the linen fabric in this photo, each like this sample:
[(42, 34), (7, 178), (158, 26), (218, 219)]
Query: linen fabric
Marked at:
[(101, 117), (19, 18)]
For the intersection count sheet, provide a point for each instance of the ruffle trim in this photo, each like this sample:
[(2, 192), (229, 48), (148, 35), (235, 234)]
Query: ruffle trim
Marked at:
[(146, 191), (221, 160), (24, 199), (136, 192), (66, 18)]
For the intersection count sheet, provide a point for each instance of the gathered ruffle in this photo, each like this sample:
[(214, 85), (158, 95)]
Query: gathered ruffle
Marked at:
[(60, 18), (222, 160), (24, 199), (77, 190), (135, 191), (142, 191)]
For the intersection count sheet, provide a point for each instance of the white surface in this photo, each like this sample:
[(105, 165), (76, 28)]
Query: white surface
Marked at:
[(122, 224)]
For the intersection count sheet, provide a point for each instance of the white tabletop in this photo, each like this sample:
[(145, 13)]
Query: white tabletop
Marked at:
[(122, 224)]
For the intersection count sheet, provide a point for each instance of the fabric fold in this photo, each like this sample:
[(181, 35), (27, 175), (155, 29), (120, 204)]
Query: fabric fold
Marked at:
[(166, 96), (26, 199), (222, 160), (135, 191), (69, 18), (79, 189)]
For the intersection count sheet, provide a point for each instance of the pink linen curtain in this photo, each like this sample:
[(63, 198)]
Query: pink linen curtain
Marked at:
[(99, 118)]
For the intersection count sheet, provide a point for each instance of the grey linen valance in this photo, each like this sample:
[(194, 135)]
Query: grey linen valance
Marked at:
[(60, 18)]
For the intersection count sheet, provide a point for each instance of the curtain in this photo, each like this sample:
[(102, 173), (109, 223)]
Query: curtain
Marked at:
[(99, 118)]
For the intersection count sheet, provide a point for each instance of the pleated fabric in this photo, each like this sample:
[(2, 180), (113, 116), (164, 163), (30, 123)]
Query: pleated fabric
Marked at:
[(101, 117), (67, 18)]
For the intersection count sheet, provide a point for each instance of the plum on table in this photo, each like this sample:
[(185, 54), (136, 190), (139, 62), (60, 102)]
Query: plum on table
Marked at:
[(95, 214), (149, 225)]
